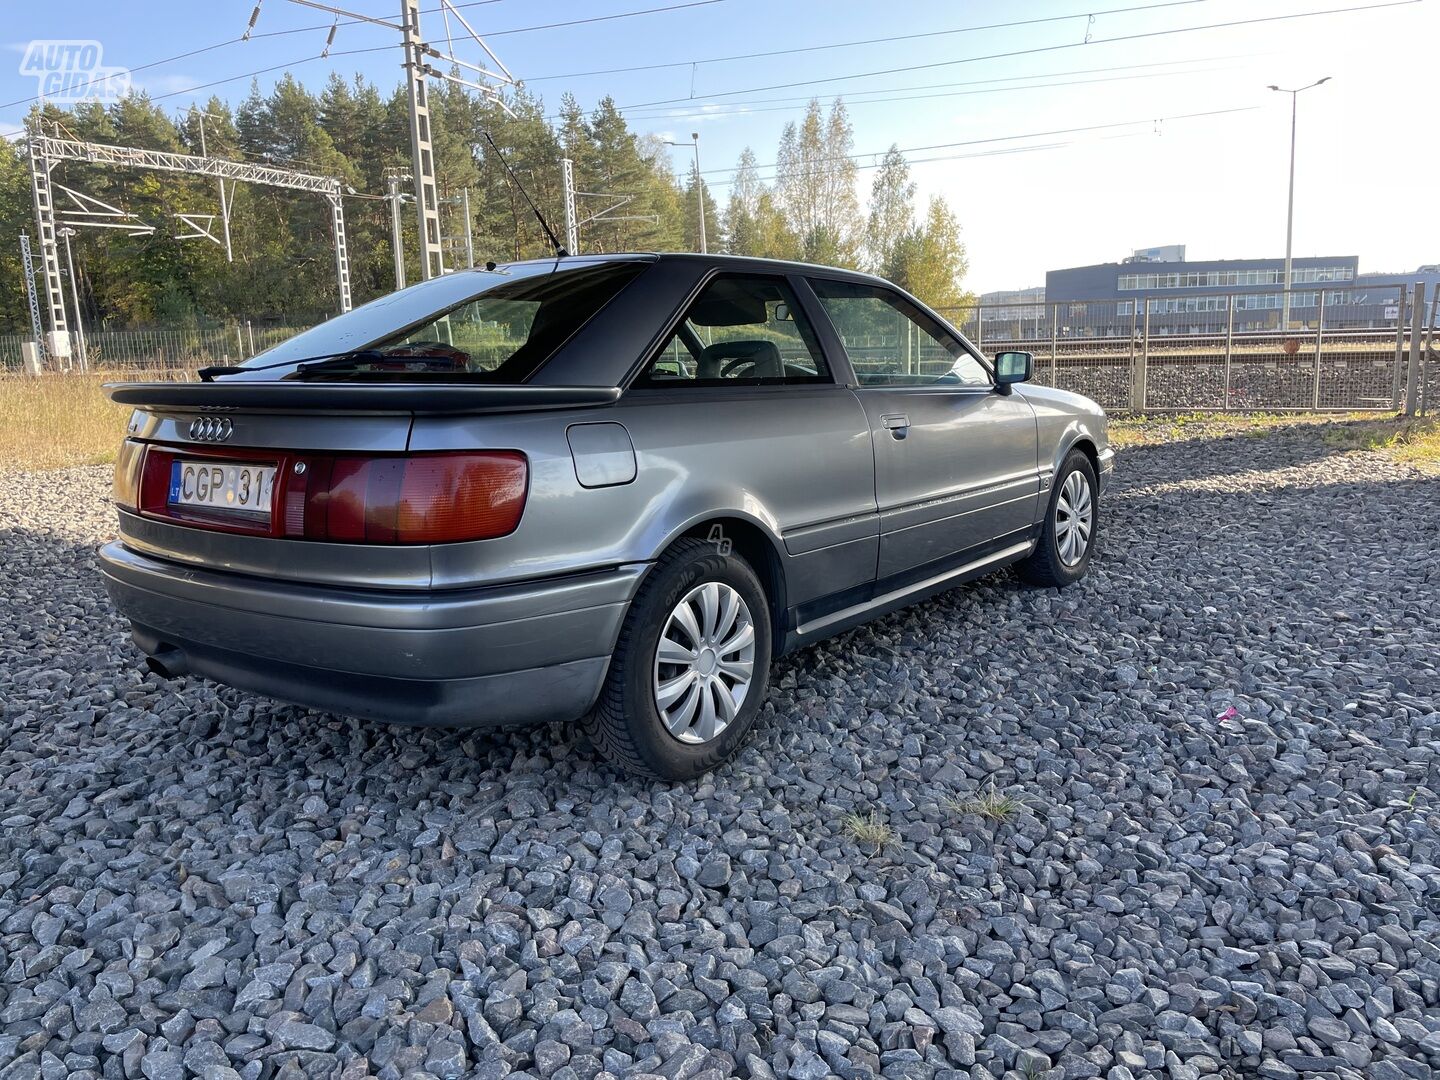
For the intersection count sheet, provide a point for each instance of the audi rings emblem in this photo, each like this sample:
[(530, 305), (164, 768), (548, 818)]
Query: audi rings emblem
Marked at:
[(211, 428)]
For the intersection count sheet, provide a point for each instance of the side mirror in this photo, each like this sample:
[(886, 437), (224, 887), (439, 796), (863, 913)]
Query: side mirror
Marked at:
[(1013, 367)]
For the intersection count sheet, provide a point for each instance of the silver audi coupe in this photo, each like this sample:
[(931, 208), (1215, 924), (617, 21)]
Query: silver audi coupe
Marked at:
[(605, 489)]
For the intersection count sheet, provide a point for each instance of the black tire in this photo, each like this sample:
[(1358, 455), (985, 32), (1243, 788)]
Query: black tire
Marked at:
[(1045, 565), (626, 725)]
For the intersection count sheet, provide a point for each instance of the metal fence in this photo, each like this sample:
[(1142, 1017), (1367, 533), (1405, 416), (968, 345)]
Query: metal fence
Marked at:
[(1145, 355), (122, 350), (1211, 352)]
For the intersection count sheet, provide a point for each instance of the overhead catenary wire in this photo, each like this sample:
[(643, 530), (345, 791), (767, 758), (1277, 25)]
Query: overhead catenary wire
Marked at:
[(603, 18), (863, 41), (1034, 50), (995, 152), (142, 67), (252, 36), (854, 97), (744, 108), (239, 39), (1110, 126)]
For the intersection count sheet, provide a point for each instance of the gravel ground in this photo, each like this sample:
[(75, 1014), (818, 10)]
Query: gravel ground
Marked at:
[(1221, 856)]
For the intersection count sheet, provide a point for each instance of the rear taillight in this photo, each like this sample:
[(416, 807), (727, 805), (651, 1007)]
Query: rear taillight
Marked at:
[(425, 498), (419, 499)]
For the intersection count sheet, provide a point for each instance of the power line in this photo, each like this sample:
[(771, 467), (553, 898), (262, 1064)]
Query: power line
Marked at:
[(1008, 138), (864, 41), (857, 97), (741, 108), (1026, 52), (604, 18), (353, 52), (361, 22), (998, 152), (267, 70), (142, 67), (236, 41), (520, 29)]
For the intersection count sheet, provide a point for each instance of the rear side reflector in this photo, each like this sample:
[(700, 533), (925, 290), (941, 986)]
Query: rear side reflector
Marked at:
[(427, 498), (126, 490)]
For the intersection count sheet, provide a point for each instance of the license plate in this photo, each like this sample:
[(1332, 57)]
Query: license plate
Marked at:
[(215, 485)]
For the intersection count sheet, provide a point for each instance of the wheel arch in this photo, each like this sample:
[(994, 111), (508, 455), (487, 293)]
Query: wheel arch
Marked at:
[(1086, 446), (1076, 436), (754, 542)]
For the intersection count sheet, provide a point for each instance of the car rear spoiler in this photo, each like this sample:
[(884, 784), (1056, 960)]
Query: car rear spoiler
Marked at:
[(415, 398)]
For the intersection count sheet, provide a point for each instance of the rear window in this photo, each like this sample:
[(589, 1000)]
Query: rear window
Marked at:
[(501, 329)]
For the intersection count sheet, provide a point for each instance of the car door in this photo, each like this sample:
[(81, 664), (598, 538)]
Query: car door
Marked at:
[(739, 411), (956, 459)]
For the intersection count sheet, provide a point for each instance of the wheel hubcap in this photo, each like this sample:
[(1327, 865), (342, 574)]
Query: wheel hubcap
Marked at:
[(705, 662), (1074, 518)]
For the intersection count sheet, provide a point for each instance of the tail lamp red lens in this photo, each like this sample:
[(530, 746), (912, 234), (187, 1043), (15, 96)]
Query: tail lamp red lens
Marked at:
[(422, 498)]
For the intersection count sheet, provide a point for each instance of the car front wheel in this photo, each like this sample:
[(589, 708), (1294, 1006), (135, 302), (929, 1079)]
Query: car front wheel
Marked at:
[(1072, 525), (690, 668)]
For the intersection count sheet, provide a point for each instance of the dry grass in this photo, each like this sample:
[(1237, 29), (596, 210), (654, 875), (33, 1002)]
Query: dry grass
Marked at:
[(55, 421), (1413, 441), (990, 805), (867, 830)]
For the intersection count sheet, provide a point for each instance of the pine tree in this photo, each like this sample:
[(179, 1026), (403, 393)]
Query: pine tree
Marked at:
[(283, 267), (690, 202), (742, 234)]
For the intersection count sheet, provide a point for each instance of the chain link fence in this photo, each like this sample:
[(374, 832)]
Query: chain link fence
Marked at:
[(1217, 352)]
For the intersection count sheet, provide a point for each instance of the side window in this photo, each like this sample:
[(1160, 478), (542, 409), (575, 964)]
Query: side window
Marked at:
[(741, 330), (890, 342)]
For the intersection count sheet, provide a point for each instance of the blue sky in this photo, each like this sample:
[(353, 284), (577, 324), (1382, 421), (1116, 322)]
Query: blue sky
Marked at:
[(1070, 152)]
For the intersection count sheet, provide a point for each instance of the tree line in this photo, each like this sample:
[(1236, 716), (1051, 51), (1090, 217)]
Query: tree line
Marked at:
[(283, 268)]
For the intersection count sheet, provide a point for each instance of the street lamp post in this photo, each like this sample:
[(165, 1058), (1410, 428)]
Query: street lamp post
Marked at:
[(67, 233), (699, 186), (1290, 213)]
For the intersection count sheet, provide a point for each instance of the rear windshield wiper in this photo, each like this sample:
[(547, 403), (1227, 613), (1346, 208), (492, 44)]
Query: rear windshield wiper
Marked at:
[(208, 374)]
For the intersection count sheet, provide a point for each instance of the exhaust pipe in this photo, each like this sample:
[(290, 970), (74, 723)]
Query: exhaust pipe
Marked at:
[(168, 662)]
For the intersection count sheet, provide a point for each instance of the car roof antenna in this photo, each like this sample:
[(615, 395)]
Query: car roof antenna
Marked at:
[(560, 252)]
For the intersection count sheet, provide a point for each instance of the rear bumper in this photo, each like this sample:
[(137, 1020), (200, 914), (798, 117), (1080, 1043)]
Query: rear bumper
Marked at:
[(495, 656), (1107, 467)]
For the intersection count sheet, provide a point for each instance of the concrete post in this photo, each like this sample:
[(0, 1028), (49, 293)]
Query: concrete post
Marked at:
[(1412, 377)]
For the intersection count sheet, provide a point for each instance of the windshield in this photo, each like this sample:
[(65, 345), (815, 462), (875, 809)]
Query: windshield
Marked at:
[(497, 326)]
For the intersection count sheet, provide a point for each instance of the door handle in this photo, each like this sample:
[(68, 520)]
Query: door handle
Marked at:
[(897, 424)]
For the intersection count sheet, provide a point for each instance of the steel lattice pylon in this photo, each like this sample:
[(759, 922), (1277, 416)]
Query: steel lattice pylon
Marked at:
[(422, 153), (46, 151), (40, 165), (29, 270)]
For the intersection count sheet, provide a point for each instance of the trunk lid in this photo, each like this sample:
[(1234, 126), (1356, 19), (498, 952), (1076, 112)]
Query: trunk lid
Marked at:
[(264, 431)]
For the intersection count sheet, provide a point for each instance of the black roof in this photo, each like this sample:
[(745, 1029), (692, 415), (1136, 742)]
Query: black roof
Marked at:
[(728, 262)]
